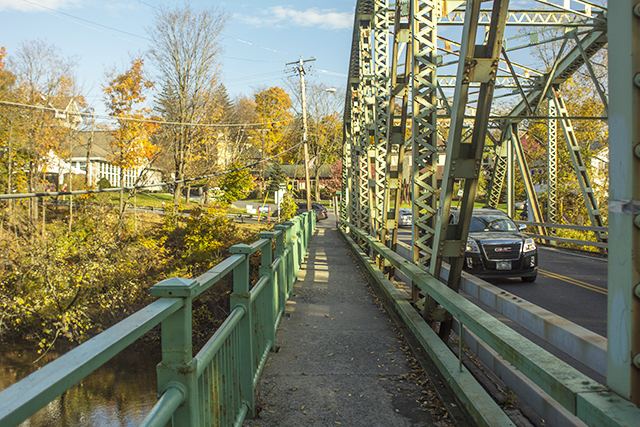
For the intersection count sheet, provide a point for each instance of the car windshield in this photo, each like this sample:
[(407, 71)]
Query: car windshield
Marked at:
[(491, 223)]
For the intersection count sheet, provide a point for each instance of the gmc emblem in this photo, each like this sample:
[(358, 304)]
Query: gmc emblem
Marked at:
[(503, 249)]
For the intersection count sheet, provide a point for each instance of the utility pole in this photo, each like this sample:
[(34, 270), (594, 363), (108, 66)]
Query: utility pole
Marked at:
[(299, 68)]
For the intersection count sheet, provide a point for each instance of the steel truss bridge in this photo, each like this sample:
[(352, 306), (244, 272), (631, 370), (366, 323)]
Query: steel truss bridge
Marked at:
[(428, 77), (436, 79)]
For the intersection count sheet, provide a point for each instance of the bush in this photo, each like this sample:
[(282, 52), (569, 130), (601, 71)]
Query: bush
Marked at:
[(288, 207)]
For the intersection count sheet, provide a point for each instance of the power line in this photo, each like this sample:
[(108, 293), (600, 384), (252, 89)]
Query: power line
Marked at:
[(125, 32), (136, 187), (133, 119), (87, 21)]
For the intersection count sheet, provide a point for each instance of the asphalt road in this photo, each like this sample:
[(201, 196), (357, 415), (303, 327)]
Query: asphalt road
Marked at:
[(571, 285)]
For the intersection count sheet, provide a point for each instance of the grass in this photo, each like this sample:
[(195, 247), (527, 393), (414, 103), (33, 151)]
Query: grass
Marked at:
[(146, 200)]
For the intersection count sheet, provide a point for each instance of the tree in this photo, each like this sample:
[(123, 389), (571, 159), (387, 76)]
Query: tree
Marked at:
[(276, 177), (288, 207), (184, 50), (273, 111), (325, 147), (43, 77), (236, 184), (131, 144)]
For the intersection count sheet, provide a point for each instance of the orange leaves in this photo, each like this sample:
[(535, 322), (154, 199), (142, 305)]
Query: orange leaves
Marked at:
[(131, 144)]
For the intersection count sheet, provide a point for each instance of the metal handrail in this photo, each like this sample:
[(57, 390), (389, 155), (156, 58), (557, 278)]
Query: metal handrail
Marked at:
[(590, 401), (565, 226), (186, 383)]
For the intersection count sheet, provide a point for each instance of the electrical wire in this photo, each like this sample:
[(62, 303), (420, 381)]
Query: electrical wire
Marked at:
[(136, 187), (133, 119)]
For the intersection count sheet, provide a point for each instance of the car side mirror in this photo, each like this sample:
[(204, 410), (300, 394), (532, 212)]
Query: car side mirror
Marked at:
[(522, 227)]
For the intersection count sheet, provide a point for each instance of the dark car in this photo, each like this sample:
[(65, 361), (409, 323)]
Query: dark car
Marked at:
[(321, 211), (497, 248)]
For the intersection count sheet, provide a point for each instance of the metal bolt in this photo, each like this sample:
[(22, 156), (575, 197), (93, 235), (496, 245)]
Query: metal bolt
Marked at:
[(637, 290), (636, 10), (636, 361), (636, 150), (636, 221), (636, 79)]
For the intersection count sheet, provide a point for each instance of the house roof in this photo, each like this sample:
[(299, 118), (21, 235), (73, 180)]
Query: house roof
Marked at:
[(101, 146)]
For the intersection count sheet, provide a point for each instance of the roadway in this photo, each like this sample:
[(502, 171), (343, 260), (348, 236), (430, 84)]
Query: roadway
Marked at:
[(571, 285)]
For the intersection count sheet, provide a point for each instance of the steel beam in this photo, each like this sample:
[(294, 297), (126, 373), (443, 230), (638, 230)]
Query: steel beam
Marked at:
[(623, 324), (424, 136), (552, 164), (396, 123), (532, 197), (528, 18), (499, 172), (381, 107), (579, 166), (366, 190), (479, 61)]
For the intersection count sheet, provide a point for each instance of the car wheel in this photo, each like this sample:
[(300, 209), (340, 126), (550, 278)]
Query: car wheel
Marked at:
[(529, 279)]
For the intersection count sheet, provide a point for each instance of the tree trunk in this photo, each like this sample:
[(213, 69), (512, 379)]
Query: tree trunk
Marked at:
[(87, 177)]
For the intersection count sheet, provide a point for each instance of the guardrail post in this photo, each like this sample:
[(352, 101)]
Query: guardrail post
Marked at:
[(266, 269), (290, 248), (241, 296), (178, 367), (299, 243), (282, 268)]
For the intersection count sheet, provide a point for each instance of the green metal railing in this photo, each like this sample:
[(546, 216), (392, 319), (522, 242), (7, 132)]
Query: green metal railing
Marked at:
[(590, 401), (216, 387)]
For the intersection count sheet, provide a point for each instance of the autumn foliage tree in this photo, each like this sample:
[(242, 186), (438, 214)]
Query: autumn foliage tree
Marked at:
[(273, 111), (131, 144)]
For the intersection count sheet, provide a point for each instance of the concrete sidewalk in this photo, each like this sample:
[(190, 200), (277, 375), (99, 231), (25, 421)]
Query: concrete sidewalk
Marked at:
[(340, 360)]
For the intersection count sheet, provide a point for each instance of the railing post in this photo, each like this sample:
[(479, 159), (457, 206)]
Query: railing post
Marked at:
[(178, 367), (266, 269), (241, 296), (299, 244), (282, 268), (290, 255)]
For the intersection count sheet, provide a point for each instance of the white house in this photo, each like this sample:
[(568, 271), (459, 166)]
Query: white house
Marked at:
[(98, 148)]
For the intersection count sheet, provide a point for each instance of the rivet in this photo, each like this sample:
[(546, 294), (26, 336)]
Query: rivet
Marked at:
[(636, 150), (636, 79), (636, 10), (636, 221), (636, 361), (637, 290)]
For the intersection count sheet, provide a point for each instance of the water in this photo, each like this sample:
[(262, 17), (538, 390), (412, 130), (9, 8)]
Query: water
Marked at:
[(120, 393)]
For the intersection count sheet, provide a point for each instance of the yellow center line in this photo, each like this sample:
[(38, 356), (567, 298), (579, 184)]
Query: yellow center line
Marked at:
[(575, 282)]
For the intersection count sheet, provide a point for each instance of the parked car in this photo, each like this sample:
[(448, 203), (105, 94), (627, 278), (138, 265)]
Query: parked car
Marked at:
[(405, 218), (496, 247), (321, 211)]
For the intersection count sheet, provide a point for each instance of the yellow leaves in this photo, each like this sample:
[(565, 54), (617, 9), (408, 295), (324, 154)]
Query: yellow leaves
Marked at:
[(19, 301), (131, 144), (273, 107)]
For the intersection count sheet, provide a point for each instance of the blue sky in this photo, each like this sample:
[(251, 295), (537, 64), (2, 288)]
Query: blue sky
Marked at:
[(259, 38)]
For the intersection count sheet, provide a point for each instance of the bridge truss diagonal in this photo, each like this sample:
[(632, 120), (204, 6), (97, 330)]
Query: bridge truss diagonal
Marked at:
[(447, 115)]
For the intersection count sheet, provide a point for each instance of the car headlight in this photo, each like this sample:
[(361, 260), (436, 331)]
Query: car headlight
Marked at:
[(529, 245), (472, 246)]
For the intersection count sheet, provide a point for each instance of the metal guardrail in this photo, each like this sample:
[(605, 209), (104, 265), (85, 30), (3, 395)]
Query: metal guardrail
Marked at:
[(590, 401), (596, 230), (217, 385)]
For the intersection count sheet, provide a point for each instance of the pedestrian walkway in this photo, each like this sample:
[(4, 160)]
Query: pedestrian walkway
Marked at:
[(340, 360)]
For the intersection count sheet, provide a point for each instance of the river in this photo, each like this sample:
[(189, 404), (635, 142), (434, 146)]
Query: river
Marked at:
[(118, 394)]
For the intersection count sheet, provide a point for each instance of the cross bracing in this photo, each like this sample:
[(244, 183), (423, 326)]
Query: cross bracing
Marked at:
[(465, 82)]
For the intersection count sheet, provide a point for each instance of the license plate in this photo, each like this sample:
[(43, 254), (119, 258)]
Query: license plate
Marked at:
[(503, 265)]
